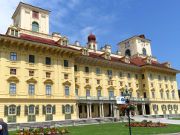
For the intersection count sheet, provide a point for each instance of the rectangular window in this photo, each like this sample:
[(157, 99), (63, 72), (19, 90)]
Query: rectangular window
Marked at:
[(48, 74), (109, 72), (161, 93), (31, 110), (31, 59), (76, 91), (48, 61), (12, 89), (66, 64), (66, 90), (159, 77), (75, 79), (129, 75), (143, 76), (13, 56), (13, 71), (121, 83), (87, 69), (153, 94), (165, 78), (129, 84), (98, 71), (99, 93), (111, 93), (65, 76), (98, 81), (75, 68), (48, 89), (48, 109), (136, 76), (150, 76), (120, 74), (35, 14), (87, 80), (87, 93), (31, 89), (31, 72)]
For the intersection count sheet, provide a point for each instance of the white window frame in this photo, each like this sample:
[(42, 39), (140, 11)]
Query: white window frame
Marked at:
[(48, 89), (65, 90), (30, 90), (67, 109), (13, 56), (15, 110), (11, 91)]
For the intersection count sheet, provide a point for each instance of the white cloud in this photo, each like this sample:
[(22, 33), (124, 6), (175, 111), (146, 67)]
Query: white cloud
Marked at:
[(7, 9)]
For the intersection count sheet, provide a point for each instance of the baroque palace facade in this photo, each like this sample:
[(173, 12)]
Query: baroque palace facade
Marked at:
[(44, 78)]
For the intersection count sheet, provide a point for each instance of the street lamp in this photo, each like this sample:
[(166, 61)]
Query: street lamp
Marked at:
[(127, 96)]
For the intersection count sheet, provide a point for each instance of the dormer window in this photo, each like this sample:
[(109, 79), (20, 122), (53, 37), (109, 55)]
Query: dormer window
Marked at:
[(128, 53), (35, 14), (14, 33)]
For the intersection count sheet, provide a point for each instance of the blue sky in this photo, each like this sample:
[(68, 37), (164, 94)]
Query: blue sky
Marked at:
[(112, 21)]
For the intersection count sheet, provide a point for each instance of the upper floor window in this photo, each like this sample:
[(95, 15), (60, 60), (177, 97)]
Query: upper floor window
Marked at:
[(111, 93), (76, 91), (67, 90), (35, 27), (13, 71), (129, 75), (161, 94), (31, 72), (14, 33), (159, 77), (87, 93), (173, 94), (12, 89), (66, 64), (109, 72), (136, 76), (143, 76), (13, 56), (144, 51), (120, 74), (98, 71), (87, 69), (99, 93), (48, 61), (98, 81), (165, 78), (35, 14), (167, 94), (65, 76), (31, 90), (48, 74), (75, 68), (48, 89), (150, 76), (31, 59)]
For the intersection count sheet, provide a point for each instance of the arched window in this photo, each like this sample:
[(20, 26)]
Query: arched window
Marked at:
[(67, 109), (35, 27), (144, 51), (128, 52)]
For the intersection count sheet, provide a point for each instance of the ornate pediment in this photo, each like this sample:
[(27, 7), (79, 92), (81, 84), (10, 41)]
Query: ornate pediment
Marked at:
[(76, 85), (48, 81), (106, 55), (148, 60), (98, 87), (87, 86), (13, 79), (111, 88), (31, 80), (67, 83), (126, 59)]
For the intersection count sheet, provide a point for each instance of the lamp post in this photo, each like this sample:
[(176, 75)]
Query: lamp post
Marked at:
[(127, 96)]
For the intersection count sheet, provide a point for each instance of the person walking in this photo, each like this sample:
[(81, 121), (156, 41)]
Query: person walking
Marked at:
[(3, 127)]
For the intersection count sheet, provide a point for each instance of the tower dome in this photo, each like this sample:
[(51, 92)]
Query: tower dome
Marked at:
[(91, 37)]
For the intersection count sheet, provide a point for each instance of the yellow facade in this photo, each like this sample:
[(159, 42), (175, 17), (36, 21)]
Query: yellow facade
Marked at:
[(43, 80)]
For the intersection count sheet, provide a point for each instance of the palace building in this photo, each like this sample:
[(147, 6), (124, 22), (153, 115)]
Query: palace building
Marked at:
[(45, 78)]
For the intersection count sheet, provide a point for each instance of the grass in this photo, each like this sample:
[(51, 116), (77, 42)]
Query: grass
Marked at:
[(118, 129)]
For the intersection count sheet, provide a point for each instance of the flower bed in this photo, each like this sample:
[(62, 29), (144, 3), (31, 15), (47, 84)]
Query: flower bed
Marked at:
[(43, 131), (146, 123)]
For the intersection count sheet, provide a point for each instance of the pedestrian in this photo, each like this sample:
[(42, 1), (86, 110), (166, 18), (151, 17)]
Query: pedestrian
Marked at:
[(3, 127)]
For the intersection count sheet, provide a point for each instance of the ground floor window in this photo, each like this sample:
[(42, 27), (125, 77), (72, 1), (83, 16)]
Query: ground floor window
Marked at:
[(12, 110), (31, 110), (48, 109)]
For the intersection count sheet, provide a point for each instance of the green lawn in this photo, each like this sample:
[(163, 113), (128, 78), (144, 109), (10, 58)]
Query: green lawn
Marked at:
[(118, 129)]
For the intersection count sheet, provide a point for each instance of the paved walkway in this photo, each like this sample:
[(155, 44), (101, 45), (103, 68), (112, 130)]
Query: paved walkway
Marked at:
[(162, 120)]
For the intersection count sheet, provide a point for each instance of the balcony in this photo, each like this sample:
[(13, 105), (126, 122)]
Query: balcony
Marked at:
[(95, 98)]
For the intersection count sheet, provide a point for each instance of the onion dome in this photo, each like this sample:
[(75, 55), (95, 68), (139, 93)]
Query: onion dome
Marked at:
[(91, 37)]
